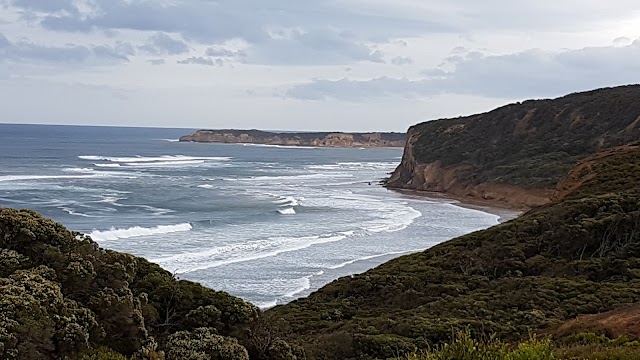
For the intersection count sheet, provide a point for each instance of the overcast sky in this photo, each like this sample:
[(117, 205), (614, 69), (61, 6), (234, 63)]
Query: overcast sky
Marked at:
[(351, 65)]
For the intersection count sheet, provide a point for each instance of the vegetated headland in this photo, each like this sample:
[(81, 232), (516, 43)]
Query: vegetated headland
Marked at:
[(562, 281), (316, 139)]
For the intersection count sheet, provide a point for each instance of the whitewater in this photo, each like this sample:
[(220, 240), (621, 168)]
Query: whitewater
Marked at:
[(266, 223)]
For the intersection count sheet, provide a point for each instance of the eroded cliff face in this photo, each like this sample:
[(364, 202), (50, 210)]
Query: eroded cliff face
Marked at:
[(518, 153), (434, 177), (298, 139)]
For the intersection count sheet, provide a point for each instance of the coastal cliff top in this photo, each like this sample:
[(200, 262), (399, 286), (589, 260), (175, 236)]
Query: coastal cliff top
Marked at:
[(531, 144), (330, 139)]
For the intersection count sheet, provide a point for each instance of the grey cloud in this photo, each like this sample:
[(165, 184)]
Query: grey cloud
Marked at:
[(353, 90), (28, 52), (4, 42), (225, 53), (46, 5), (156, 61), (320, 46), (163, 44), (527, 74), (212, 22), (400, 60), (201, 60)]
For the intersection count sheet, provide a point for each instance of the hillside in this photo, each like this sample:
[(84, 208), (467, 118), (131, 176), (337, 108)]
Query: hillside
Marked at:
[(517, 153), (578, 255), (318, 139), (62, 296)]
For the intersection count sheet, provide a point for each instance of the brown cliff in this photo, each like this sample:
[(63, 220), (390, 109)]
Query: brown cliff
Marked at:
[(317, 139), (515, 155)]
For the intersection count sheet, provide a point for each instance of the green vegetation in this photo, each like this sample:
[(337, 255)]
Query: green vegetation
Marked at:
[(579, 255), (62, 295), (534, 143)]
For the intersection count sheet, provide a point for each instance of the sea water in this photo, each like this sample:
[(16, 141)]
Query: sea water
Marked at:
[(265, 223)]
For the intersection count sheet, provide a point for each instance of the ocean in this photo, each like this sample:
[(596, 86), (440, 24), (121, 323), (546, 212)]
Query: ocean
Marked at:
[(266, 223)]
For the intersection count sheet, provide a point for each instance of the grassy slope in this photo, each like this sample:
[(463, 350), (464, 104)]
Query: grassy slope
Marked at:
[(579, 255)]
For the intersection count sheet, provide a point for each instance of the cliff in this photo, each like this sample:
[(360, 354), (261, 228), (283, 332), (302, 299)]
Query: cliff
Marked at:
[(318, 139), (516, 154)]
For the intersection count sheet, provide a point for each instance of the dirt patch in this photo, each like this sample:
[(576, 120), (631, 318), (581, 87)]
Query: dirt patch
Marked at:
[(622, 321)]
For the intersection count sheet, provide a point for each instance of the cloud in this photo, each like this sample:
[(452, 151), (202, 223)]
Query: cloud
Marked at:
[(48, 6), (201, 60), (28, 52), (400, 60), (354, 90), (316, 47), (527, 74), (156, 61), (163, 44), (225, 53)]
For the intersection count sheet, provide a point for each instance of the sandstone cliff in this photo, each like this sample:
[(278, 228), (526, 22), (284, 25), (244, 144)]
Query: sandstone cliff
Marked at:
[(516, 154), (320, 139)]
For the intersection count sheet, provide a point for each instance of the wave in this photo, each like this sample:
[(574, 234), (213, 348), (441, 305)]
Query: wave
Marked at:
[(165, 163), (75, 213), (394, 221), (305, 285), (364, 258), (78, 170), (355, 166), (137, 231), (46, 177), (287, 201), (266, 305), (169, 140), (236, 253), (281, 146), (107, 165), (287, 211), (294, 177), (141, 159), (206, 186)]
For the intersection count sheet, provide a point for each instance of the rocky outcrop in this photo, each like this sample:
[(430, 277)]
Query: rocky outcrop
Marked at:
[(516, 155), (318, 139)]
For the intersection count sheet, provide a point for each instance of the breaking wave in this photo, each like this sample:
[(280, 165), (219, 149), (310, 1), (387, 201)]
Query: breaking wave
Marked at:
[(137, 231)]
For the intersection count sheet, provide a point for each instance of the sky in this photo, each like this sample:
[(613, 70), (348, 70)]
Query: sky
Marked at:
[(347, 65)]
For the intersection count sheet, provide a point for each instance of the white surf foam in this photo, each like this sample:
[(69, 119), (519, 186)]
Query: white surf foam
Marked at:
[(164, 163), (46, 177), (281, 146), (266, 305), (287, 201), (305, 284), (296, 177), (206, 186), (78, 170), (364, 258), (141, 159), (235, 253), (75, 213), (355, 166), (137, 231), (287, 211)]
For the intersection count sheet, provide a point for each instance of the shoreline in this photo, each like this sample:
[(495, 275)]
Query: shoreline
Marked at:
[(501, 209), (366, 263)]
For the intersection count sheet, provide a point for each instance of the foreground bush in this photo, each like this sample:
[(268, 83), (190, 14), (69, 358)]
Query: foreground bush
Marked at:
[(61, 295)]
